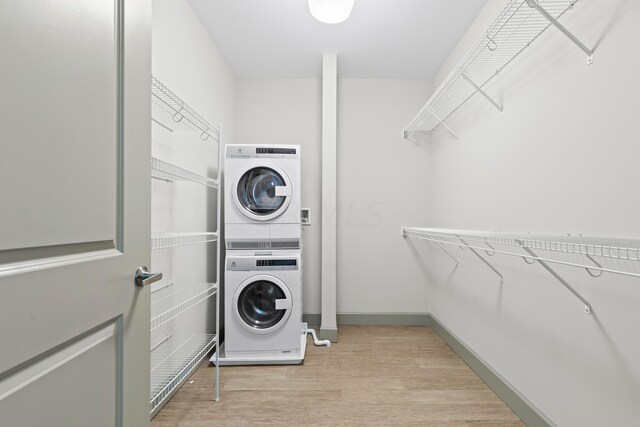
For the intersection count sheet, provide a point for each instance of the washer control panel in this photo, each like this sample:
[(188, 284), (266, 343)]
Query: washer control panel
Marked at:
[(261, 264)]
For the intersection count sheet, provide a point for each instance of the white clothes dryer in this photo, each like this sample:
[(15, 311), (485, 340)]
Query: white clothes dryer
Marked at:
[(262, 197), (263, 309)]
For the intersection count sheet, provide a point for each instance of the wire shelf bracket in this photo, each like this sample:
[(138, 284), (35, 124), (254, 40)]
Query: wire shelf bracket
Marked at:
[(483, 93), (440, 245), (517, 26), (535, 4), (449, 253), (487, 263), (446, 126), (587, 306)]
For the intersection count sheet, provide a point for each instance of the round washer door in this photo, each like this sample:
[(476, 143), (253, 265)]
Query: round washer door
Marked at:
[(263, 192), (262, 304)]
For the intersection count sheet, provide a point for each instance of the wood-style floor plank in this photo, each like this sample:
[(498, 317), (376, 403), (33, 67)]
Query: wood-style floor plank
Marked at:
[(375, 376)]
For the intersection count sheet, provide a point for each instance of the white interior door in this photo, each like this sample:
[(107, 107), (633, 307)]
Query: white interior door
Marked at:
[(74, 212)]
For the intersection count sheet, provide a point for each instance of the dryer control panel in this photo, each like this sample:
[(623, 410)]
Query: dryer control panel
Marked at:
[(263, 151), (262, 264)]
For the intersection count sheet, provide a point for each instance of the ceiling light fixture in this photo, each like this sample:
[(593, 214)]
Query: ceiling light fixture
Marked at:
[(331, 11)]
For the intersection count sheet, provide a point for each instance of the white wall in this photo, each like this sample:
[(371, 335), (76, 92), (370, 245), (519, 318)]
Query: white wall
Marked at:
[(187, 61), (381, 182), (564, 158)]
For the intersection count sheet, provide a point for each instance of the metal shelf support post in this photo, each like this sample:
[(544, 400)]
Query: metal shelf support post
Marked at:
[(587, 306), (535, 4), (219, 260)]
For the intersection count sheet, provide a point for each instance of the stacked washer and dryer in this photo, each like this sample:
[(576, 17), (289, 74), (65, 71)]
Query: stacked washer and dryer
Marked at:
[(263, 277)]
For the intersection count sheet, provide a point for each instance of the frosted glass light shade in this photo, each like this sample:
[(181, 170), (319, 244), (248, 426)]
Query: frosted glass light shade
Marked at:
[(331, 11)]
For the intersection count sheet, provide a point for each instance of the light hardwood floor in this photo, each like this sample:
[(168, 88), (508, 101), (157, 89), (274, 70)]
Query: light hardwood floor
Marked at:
[(375, 375)]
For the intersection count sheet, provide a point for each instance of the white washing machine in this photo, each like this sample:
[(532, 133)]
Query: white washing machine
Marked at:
[(263, 309), (262, 197)]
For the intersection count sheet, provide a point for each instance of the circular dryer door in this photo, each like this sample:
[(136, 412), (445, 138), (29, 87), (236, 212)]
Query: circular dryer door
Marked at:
[(262, 304), (263, 193)]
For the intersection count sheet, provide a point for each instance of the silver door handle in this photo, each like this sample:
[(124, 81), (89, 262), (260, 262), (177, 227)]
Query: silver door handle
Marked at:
[(143, 277)]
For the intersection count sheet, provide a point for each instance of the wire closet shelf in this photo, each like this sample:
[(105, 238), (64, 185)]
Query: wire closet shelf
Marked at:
[(169, 172), (185, 298), (593, 250), (173, 240), (173, 360), (519, 24), (176, 356), (172, 112)]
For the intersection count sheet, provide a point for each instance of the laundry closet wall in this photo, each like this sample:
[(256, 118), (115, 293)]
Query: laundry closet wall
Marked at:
[(563, 158), (187, 61), (382, 182)]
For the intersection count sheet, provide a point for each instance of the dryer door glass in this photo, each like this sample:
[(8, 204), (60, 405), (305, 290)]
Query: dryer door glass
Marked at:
[(257, 304), (257, 191)]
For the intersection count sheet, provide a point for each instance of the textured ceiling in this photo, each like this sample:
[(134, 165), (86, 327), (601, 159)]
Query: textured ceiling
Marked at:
[(381, 39)]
